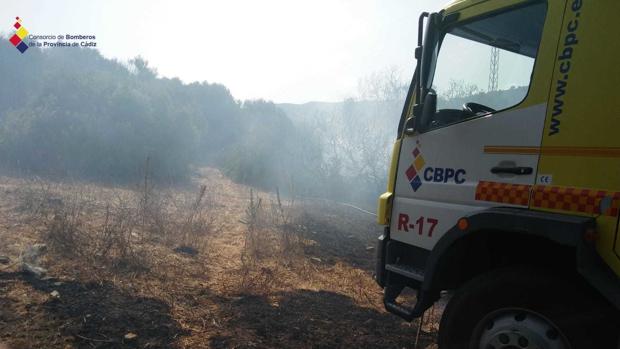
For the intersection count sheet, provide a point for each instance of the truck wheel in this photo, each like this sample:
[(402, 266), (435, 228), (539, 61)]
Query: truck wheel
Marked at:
[(523, 309)]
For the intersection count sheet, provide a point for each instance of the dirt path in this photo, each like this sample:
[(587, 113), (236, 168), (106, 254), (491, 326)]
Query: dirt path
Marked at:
[(321, 295)]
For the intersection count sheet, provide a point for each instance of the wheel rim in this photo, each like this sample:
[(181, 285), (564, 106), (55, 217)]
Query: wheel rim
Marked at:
[(517, 329)]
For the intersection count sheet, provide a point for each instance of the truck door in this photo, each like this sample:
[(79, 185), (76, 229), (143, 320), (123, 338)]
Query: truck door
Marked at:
[(580, 147), (481, 149)]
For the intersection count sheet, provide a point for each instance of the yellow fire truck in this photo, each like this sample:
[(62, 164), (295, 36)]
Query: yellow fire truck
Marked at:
[(503, 192)]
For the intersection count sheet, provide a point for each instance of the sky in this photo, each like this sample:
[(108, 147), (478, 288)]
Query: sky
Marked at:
[(289, 51)]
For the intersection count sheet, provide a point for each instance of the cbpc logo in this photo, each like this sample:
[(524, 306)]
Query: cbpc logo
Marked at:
[(18, 38), (418, 172), (416, 167)]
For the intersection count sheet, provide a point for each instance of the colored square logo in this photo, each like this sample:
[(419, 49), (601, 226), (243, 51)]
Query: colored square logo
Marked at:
[(411, 172), (419, 163), (416, 183), (22, 33), (22, 47), (15, 40), (17, 25)]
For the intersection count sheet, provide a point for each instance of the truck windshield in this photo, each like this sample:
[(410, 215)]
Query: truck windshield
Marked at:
[(486, 64)]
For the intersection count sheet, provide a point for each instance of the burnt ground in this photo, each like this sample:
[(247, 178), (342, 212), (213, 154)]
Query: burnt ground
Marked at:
[(87, 314), (320, 294)]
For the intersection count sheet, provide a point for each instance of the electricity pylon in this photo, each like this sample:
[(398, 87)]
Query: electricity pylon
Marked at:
[(494, 69)]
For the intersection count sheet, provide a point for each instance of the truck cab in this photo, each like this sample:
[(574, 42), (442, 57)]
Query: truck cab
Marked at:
[(504, 184)]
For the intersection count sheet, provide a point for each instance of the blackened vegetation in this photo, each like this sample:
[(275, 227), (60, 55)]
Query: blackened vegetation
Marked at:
[(93, 315), (310, 319)]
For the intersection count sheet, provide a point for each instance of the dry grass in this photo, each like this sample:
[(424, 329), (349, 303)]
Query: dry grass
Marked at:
[(117, 227), (213, 265)]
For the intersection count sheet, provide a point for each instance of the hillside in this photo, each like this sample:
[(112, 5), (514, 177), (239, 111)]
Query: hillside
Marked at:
[(105, 121)]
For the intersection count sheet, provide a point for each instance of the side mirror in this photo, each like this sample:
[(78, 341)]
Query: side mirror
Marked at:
[(428, 111)]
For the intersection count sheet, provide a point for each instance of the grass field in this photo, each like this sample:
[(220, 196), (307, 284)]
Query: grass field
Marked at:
[(210, 265)]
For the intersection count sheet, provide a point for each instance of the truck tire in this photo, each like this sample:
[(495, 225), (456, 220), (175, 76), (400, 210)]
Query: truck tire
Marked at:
[(520, 308)]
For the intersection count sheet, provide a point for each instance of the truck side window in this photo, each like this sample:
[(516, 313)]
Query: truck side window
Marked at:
[(485, 65)]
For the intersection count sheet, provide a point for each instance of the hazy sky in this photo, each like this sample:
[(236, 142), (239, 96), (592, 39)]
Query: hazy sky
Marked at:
[(282, 50)]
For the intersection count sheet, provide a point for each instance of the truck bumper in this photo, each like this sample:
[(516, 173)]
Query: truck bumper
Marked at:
[(380, 272)]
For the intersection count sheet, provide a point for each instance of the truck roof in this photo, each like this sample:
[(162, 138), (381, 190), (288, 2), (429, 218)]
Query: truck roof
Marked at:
[(457, 5)]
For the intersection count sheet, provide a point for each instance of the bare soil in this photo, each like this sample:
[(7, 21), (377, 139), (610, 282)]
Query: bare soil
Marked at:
[(319, 293)]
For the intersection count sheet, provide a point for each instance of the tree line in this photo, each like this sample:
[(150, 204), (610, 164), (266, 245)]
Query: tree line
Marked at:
[(75, 114)]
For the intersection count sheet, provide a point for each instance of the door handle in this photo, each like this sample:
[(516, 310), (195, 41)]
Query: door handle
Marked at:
[(512, 170)]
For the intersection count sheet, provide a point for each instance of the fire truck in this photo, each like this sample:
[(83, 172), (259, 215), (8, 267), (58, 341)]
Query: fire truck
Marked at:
[(503, 192)]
